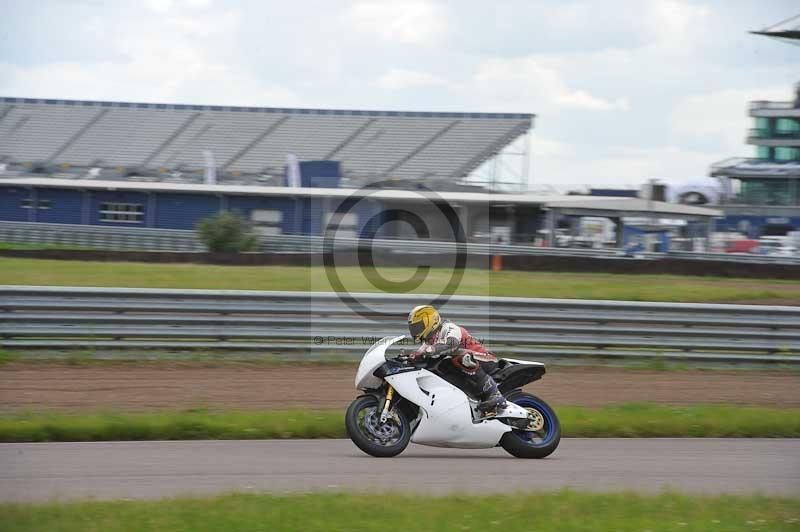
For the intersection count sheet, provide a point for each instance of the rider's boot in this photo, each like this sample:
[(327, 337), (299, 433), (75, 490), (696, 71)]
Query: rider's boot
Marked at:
[(491, 398)]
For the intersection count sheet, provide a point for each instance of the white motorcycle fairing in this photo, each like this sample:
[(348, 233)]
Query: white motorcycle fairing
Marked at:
[(445, 418), (445, 413), (372, 360)]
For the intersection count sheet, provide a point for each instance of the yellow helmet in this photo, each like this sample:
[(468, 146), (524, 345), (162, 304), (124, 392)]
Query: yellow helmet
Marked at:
[(422, 321)]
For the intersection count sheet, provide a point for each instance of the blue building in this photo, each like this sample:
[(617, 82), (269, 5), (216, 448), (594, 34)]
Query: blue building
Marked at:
[(273, 210), (382, 213)]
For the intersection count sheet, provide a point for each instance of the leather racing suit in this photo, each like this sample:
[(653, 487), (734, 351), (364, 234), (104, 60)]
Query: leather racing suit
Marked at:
[(469, 361)]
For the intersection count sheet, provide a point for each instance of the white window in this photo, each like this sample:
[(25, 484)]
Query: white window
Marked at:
[(122, 212), (346, 228), (39, 204), (266, 221)]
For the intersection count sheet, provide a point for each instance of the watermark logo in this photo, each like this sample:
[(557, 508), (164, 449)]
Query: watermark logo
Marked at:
[(427, 215), (373, 340)]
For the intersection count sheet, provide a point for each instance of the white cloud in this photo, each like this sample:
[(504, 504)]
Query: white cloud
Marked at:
[(398, 79), (164, 58), (163, 6), (618, 166), (719, 118), (676, 25), (534, 83), (543, 147), (400, 21), (207, 83)]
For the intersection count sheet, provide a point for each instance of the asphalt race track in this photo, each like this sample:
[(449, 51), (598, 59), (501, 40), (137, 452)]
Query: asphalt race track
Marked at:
[(114, 470)]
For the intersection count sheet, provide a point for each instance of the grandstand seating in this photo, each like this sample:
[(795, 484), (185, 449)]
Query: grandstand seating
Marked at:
[(167, 141)]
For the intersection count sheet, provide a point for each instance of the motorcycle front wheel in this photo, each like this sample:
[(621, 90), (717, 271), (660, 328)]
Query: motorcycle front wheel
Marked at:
[(363, 424), (545, 433)]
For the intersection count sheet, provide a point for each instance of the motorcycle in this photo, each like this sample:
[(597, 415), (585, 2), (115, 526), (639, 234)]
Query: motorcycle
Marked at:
[(408, 400)]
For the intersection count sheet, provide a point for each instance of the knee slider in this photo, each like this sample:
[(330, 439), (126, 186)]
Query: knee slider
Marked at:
[(468, 361)]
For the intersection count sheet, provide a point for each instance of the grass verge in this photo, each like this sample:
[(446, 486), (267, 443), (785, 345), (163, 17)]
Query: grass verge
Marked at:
[(630, 420), (475, 282), (565, 510)]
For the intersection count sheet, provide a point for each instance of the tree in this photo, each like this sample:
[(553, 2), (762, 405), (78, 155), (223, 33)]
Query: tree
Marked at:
[(227, 232)]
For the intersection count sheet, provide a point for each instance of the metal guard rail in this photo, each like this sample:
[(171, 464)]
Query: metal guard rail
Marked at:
[(314, 324)]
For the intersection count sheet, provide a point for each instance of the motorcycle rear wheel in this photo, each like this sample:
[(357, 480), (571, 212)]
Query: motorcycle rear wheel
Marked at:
[(383, 440), (533, 444)]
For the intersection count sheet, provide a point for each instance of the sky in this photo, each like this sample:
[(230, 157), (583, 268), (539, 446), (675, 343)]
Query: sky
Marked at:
[(624, 90)]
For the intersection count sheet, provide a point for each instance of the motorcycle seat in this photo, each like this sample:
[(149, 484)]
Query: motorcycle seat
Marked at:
[(510, 376)]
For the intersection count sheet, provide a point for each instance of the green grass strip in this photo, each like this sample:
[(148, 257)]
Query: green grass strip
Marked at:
[(626, 287), (566, 511), (631, 420)]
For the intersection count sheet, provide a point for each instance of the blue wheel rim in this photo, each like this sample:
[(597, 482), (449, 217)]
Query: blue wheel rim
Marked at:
[(549, 422)]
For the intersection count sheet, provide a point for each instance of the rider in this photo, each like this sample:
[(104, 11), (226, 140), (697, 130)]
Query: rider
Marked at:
[(444, 338)]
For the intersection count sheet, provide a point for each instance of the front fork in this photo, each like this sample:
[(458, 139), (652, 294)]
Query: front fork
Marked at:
[(387, 403)]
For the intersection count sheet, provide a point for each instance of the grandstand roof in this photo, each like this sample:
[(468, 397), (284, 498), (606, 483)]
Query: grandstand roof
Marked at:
[(339, 193), (252, 140), (578, 205)]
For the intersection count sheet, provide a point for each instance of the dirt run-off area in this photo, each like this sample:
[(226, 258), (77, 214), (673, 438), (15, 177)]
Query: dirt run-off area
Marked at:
[(137, 386)]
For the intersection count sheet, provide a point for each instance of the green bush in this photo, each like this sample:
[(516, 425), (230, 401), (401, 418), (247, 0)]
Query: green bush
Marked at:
[(227, 232)]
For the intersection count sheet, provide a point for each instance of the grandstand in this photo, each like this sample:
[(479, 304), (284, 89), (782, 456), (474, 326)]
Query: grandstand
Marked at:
[(166, 142)]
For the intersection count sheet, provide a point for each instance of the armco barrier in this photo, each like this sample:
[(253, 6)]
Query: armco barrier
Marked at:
[(310, 324)]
